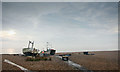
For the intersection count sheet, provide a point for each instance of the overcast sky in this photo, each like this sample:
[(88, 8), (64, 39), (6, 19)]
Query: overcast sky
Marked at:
[(60, 0), (69, 27)]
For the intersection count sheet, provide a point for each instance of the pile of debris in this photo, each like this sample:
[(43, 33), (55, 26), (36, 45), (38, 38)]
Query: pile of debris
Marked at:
[(65, 57), (86, 53)]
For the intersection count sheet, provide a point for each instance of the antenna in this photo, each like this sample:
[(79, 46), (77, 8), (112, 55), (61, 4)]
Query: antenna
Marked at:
[(47, 46), (51, 46), (43, 49)]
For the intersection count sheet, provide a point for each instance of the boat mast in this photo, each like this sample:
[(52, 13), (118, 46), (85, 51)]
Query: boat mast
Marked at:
[(29, 44), (32, 44), (47, 46)]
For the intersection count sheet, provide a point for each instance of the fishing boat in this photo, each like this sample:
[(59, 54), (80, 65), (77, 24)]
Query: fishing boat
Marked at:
[(30, 51)]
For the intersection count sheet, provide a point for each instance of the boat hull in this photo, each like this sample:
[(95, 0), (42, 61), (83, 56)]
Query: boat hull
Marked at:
[(30, 54)]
